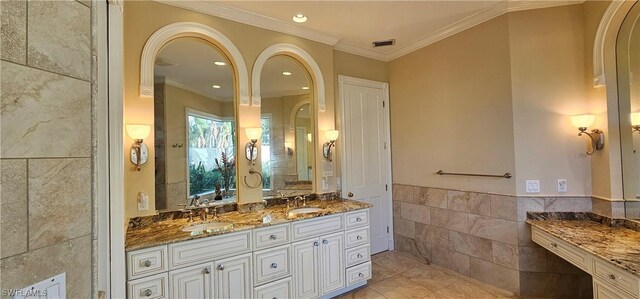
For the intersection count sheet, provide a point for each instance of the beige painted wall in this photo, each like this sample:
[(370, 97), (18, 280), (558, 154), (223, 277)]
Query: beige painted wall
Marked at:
[(141, 19), (451, 110)]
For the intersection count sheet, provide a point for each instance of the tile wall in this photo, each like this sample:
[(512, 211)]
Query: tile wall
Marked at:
[(46, 149)]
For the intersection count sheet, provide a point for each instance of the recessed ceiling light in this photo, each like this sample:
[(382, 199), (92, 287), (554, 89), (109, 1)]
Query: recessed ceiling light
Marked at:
[(299, 18), (220, 63), (286, 73), (305, 87), (216, 86)]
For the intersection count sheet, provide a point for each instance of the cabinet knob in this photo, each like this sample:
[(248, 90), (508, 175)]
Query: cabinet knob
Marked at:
[(325, 242), (554, 245), (146, 263), (147, 293), (612, 276), (359, 255), (350, 194), (220, 267), (359, 237), (273, 237), (274, 265), (358, 219), (360, 275), (206, 270), (316, 243)]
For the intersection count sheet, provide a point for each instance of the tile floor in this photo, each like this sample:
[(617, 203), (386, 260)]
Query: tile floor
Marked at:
[(400, 275)]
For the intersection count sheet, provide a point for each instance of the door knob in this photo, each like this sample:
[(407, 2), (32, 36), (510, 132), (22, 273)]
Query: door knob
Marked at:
[(350, 194)]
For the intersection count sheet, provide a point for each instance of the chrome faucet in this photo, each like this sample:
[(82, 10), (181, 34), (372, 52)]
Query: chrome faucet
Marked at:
[(297, 199)]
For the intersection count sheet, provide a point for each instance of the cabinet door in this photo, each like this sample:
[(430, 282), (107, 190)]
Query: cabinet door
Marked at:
[(233, 277), (193, 282), (332, 262), (305, 269)]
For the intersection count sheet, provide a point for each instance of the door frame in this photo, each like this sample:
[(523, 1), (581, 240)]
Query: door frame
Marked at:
[(346, 80)]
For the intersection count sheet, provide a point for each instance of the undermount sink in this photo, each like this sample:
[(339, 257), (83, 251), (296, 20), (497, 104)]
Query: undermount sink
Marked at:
[(299, 211), (212, 226)]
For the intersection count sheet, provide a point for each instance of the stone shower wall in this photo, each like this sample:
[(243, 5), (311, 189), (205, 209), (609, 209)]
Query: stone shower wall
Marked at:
[(46, 149), (485, 237)]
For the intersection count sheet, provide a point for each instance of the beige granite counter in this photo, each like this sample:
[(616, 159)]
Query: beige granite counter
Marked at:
[(169, 231), (620, 246)]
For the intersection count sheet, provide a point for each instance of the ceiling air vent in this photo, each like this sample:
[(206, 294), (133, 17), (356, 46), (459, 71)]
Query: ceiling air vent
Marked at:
[(383, 43)]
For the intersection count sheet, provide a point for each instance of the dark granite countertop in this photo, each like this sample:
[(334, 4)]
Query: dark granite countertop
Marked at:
[(169, 231), (618, 245)]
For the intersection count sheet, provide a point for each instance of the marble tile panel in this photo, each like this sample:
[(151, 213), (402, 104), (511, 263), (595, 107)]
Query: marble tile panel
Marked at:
[(432, 235), (430, 277), (502, 277), (415, 248), (507, 255), (59, 200), (363, 293), (49, 115), (470, 202), (60, 38), (529, 204), (471, 245), (505, 207), (468, 290), (524, 235), (452, 220), (396, 208), (397, 262), (493, 228), (548, 285), (533, 259), (567, 204), (399, 287), (13, 33), (431, 197), (450, 259), (72, 257), (414, 212), (404, 227), (403, 193), (13, 198), (379, 273)]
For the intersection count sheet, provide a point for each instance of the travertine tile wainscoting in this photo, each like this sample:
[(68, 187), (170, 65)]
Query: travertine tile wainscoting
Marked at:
[(46, 144), (485, 237)]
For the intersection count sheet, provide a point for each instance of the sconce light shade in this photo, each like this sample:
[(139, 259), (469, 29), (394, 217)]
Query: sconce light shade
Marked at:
[(288, 148), (309, 137), (138, 131), (583, 121), (332, 135), (251, 151), (635, 121), (253, 133)]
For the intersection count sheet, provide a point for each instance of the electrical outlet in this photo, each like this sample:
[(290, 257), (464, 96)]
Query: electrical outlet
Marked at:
[(562, 185), (325, 184), (532, 186), (327, 173), (143, 201)]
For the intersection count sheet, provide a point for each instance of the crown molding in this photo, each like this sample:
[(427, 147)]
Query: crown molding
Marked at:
[(357, 50), (519, 5)]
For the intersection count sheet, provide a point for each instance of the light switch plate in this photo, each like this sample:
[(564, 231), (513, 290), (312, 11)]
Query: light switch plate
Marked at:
[(325, 184), (562, 185), (532, 186)]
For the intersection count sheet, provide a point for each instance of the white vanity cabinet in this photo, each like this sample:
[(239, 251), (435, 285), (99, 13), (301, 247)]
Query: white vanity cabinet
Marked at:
[(318, 257)]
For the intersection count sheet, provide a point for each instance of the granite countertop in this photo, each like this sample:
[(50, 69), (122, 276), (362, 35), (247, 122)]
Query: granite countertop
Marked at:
[(169, 231), (618, 245)]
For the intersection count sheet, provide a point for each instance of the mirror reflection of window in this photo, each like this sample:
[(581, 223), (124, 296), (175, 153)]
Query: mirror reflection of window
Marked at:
[(266, 152)]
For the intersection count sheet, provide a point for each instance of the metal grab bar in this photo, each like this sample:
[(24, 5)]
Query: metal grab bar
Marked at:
[(251, 171), (506, 175)]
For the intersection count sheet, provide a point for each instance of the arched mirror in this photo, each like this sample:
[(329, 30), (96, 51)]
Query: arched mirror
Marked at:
[(195, 124), (288, 137)]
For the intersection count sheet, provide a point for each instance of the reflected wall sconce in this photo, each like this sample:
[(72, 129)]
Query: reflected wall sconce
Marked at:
[(289, 149), (332, 136), (139, 150), (251, 151), (635, 122), (582, 122)]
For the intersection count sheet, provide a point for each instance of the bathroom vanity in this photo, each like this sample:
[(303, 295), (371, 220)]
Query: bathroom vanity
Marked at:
[(309, 255), (610, 254)]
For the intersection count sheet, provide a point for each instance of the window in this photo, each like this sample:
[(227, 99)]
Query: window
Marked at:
[(265, 121), (210, 138)]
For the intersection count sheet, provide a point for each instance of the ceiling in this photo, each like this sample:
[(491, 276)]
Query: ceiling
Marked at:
[(352, 26)]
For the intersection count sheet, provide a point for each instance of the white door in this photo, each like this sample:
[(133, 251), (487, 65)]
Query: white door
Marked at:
[(305, 269), (366, 163), (332, 262), (233, 277), (192, 283)]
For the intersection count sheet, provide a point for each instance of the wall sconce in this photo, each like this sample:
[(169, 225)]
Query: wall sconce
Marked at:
[(251, 151), (139, 150), (332, 135), (309, 137), (289, 149), (582, 122), (635, 122)]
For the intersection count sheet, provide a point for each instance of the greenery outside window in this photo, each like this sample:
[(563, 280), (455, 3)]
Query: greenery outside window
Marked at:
[(265, 121)]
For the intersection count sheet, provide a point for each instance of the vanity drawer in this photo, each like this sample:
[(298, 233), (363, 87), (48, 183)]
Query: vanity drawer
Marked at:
[(566, 251), (196, 251), (149, 287), (147, 261), (272, 264), (312, 228), (271, 236), (356, 237), (601, 291), (356, 218), (357, 255), (359, 273), (615, 277), (281, 289)]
